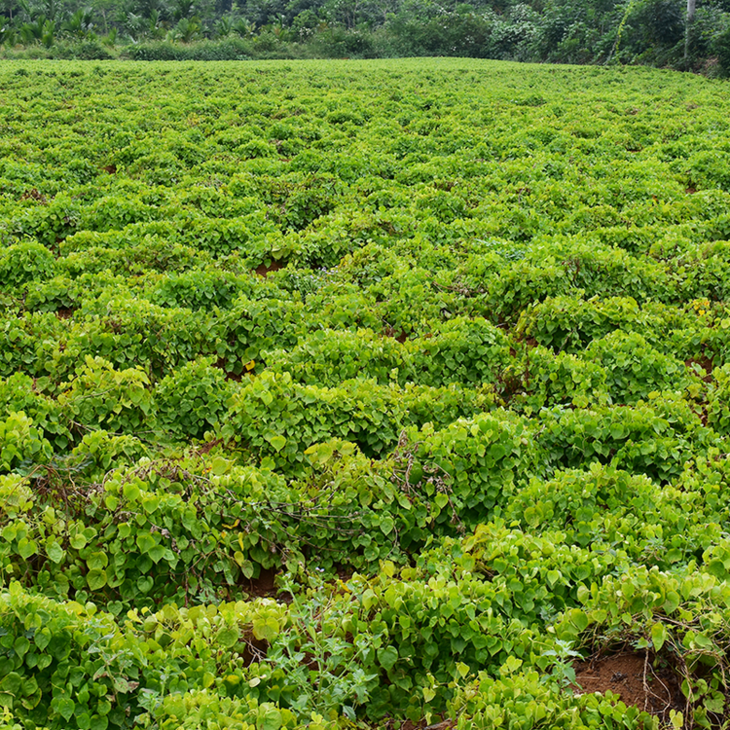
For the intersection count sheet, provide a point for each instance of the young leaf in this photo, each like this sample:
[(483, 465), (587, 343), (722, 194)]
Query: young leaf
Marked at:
[(658, 636)]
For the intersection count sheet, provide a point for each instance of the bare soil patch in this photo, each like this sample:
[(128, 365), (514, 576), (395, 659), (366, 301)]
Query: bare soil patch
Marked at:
[(221, 363), (705, 363), (263, 586), (633, 677), (391, 724), (33, 194), (264, 270)]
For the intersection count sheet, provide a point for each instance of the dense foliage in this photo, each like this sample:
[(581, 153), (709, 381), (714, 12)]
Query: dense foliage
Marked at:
[(335, 394), (650, 32)]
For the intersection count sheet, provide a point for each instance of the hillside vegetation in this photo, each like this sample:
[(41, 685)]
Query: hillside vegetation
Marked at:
[(664, 33), (340, 394)]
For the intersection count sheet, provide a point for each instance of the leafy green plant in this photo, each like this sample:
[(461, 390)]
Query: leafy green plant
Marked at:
[(21, 443), (654, 438), (461, 351), (522, 699), (634, 369), (340, 395), (19, 393), (27, 343), (101, 397), (129, 333), (192, 399), (541, 378), (64, 665), (25, 262)]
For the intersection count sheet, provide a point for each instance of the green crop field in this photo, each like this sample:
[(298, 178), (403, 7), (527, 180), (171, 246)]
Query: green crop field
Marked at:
[(363, 394)]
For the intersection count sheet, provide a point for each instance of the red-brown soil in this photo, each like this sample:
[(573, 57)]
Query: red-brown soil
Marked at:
[(399, 336), (263, 586), (33, 194), (705, 363), (633, 677), (264, 270), (409, 725), (208, 446), (221, 363)]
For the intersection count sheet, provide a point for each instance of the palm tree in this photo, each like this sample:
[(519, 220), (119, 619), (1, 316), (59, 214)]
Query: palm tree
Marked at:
[(688, 28), (155, 25), (244, 28), (102, 7), (187, 29), (7, 32), (224, 27), (79, 24), (111, 38), (183, 9), (25, 12), (31, 33), (135, 26), (48, 34)]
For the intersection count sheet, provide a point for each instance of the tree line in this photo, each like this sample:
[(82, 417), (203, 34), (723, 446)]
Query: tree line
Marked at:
[(663, 33)]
